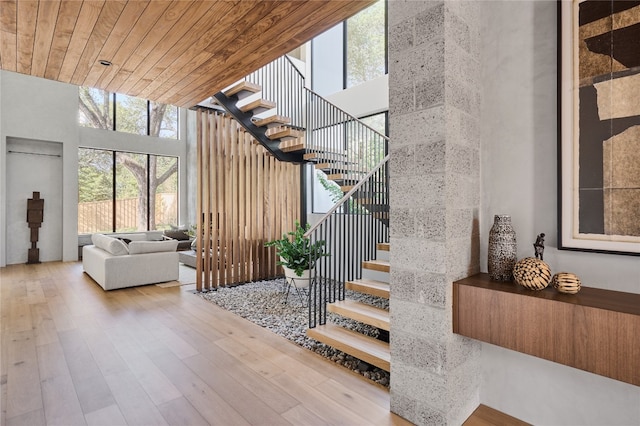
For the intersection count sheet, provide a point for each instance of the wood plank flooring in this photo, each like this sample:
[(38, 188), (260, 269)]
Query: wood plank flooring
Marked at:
[(73, 354)]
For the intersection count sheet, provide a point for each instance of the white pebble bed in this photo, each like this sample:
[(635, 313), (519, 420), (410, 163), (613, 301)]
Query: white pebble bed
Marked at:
[(262, 303)]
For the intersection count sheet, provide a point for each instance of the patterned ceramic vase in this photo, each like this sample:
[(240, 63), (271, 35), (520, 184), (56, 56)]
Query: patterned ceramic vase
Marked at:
[(502, 249)]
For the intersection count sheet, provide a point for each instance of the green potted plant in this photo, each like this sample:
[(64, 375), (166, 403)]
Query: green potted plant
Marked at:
[(297, 253)]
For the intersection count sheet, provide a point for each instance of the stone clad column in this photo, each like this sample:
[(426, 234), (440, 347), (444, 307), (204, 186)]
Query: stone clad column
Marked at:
[(434, 111)]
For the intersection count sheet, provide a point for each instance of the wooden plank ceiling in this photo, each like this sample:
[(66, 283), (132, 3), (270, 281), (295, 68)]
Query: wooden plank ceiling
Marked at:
[(178, 52)]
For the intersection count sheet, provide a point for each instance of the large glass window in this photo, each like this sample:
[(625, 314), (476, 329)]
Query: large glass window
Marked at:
[(163, 120), (366, 45), (96, 108), (131, 114), (351, 53), (95, 197), (114, 111), (131, 192), (122, 191)]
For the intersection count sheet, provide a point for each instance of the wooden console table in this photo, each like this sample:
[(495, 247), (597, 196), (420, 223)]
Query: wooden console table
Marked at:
[(595, 330)]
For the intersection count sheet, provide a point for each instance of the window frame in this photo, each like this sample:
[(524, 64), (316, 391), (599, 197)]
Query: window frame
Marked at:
[(114, 183), (345, 58), (345, 74), (113, 103)]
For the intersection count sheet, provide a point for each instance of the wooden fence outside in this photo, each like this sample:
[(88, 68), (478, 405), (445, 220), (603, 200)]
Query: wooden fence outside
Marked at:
[(97, 216), (245, 198)]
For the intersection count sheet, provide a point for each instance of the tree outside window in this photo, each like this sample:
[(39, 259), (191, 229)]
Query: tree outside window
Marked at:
[(366, 40), (140, 177), (136, 175)]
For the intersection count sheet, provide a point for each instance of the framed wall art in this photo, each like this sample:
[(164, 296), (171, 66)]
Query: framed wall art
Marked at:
[(599, 126)]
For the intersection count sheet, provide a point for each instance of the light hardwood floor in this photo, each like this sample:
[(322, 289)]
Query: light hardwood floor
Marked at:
[(73, 354)]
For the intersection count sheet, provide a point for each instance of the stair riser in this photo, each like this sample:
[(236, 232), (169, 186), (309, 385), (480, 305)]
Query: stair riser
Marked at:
[(345, 347), (367, 290), (374, 322), (382, 255), (375, 275)]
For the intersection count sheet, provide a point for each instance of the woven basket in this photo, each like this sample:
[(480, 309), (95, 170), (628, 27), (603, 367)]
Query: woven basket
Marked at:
[(532, 273), (566, 282)]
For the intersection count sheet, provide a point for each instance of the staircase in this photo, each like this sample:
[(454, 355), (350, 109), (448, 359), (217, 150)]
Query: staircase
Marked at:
[(297, 125), (375, 282)]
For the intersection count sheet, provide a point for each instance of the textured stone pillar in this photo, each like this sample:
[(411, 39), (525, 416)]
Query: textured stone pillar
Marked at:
[(435, 182)]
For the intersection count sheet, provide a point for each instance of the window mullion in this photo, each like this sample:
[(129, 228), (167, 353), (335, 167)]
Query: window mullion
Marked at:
[(113, 194)]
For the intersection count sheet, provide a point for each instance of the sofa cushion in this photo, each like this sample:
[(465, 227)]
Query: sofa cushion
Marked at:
[(177, 234), (111, 245), (139, 236), (138, 247)]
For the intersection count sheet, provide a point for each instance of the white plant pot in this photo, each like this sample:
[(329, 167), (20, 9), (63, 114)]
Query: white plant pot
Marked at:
[(300, 281)]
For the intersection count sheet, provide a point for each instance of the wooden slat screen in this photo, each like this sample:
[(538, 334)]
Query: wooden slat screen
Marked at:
[(245, 198)]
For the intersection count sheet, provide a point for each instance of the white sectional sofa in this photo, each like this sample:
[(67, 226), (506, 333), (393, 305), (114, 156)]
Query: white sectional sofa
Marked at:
[(129, 260)]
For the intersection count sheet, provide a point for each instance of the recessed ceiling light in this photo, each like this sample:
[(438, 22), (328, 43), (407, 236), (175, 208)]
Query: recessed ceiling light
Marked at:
[(105, 62)]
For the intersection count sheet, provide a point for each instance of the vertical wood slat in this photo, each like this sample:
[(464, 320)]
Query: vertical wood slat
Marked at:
[(199, 177), (204, 216), (213, 187), (245, 197)]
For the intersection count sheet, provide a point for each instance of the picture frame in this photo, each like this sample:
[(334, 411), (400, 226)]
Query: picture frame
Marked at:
[(599, 126)]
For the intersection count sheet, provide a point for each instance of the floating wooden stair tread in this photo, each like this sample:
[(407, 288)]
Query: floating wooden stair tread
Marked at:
[(242, 89), (285, 133), (372, 287), (327, 155), (368, 349), (257, 106), (339, 167), (291, 146), (346, 188), (383, 246), (487, 416), (272, 120), (362, 312), (376, 265), (344, 176)]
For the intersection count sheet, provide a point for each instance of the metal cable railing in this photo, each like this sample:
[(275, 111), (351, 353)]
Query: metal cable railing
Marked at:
[(350, 230)]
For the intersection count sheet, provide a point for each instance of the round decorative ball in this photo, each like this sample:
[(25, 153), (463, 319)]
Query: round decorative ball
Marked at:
[(566, 282), (532, 273)]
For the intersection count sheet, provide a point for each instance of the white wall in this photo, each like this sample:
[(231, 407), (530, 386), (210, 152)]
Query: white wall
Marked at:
[(519, 178), (364, 99), (43, 110)]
